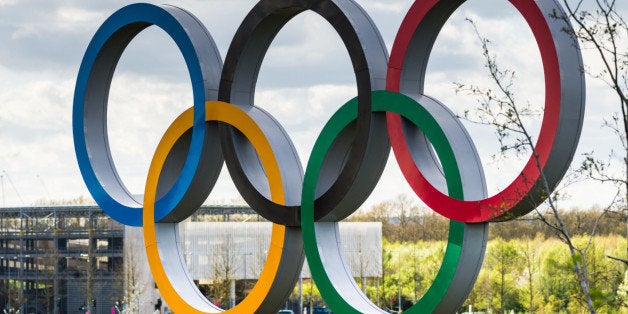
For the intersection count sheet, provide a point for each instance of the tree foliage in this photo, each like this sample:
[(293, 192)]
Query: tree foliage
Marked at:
[(420, 223), (520, 275), (526, 268)]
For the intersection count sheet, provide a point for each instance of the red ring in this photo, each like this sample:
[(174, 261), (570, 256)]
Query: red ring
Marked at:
[(496, 206)]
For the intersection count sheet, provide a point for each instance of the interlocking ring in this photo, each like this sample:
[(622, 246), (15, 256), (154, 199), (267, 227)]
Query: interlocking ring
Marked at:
[(434, 151), (466, 243), (182, 188), (562, 119), (345, 185), (169, 270)]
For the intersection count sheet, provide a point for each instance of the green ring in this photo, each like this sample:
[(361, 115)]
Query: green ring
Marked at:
[(383, 101)]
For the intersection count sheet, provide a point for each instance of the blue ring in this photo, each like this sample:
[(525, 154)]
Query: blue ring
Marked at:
[(126, 22)]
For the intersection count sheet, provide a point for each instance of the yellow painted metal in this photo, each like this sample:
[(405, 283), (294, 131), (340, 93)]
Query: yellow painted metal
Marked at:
[(232, 115)]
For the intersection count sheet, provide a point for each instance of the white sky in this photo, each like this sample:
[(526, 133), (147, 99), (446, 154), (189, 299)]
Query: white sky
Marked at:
[(306, 70)]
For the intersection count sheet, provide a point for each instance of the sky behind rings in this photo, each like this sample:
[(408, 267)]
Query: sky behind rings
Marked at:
[(305, 77)]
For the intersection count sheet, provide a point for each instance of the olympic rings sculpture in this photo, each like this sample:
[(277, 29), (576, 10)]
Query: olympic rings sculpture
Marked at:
[(347, 159)]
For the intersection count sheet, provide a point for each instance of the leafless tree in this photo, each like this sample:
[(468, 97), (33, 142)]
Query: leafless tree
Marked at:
[(601, 28), (223, 262), (499, 108), (133, 284), (530, 259), (359, 261)]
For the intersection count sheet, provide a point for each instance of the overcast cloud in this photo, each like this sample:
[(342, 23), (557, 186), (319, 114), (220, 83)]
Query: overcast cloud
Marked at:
[(305, 77)]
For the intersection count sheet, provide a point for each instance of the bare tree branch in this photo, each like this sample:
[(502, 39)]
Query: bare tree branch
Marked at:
[(501, 109)]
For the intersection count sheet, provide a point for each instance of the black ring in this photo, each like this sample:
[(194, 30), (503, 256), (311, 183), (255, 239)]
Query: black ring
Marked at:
[(365, 148)]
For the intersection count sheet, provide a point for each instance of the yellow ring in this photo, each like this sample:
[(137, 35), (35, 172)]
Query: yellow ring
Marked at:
[(228, 113)]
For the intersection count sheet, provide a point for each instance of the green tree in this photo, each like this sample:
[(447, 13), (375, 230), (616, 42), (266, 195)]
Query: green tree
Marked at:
[(605, 274), (558, 283), (530, 258), (622, 291), (504, 260), (386, 287)]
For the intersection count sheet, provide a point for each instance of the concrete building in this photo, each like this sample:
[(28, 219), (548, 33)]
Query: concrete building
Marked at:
[(58, 259), (70, 259)]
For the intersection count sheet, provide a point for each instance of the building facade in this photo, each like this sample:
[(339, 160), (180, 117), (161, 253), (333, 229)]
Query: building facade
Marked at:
[(59, 259), (75, 259)]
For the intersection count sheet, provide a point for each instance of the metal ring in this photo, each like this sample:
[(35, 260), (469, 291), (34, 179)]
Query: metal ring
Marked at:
[(562, 120), (466, 242), (347, 160), (201, 160), (169, 269), (367, 146)]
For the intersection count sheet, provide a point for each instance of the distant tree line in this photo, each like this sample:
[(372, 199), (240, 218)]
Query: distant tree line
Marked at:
[(526, 268), (403, 220)]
